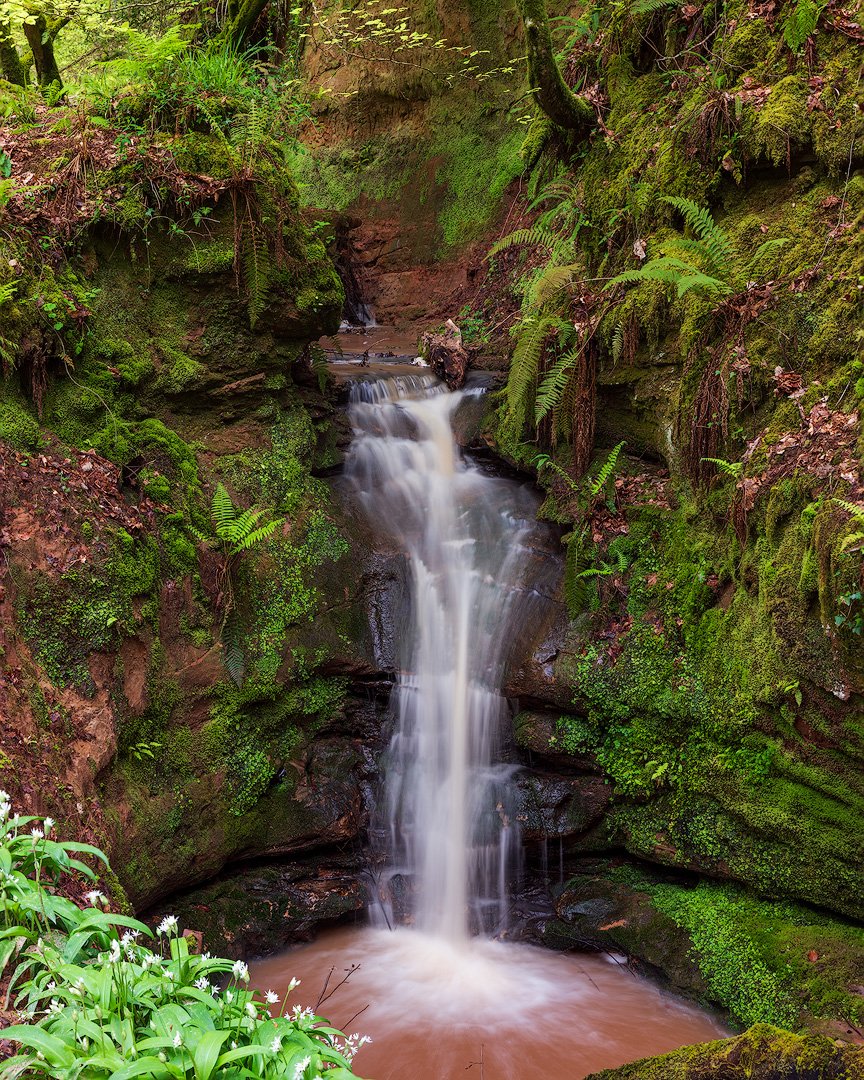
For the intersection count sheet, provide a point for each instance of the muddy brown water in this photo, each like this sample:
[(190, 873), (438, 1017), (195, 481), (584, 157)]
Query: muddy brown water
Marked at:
[(487, 1010)]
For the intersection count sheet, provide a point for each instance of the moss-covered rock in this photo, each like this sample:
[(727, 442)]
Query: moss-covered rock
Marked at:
[(762, 1053)]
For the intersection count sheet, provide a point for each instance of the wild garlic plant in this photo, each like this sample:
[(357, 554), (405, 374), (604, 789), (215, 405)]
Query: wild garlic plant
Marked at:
[(101, 995)]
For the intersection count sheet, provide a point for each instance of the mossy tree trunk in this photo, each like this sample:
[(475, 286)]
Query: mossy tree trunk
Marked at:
[(12, 66), (244, 14), (551, 92), (41, 34)]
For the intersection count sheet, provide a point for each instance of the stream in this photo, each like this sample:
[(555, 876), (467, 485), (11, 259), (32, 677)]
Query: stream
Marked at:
[(432, 978)]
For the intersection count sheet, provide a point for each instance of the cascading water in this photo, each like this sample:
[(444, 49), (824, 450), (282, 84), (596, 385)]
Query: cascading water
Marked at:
[(435, 1002), (447, 815)]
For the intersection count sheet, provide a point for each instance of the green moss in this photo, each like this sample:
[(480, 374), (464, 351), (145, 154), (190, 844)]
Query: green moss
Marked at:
[(762, 1053), (88, 609), (18, 424), (177, 372)]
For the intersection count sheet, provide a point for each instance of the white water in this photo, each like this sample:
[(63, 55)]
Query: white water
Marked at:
[(447, 813)]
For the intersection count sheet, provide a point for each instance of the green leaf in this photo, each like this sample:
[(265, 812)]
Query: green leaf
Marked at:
[(207, 1053)]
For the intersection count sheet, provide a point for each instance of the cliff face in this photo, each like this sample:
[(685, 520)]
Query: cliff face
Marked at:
[(140, 706)]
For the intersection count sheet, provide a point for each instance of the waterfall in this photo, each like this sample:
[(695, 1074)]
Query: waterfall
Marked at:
[(446, 815)]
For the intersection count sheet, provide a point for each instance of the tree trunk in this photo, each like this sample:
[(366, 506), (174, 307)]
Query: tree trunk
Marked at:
[(551, 92), (243, 23), (40, 37), (11, 64)]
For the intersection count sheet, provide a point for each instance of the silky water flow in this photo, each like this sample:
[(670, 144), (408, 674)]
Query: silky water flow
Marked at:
[(437, 987)]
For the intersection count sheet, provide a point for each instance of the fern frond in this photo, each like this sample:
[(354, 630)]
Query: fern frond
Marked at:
[(644, 7), (856, 510), (255, 253), (257, 535), (626, 277), (522, 378), (536, 236), (222, 509), (7, 291), (852, 538), (550, 283), (555, 383), (618, 342), (607, 469), (232, 652), (768, 248), (727, 468), (718, 246), (575, 582)]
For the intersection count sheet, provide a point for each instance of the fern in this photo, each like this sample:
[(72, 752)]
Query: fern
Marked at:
[(543, 461), (536, 236), (234, 531), (618, 342), (768, 248), (255, 255), (801, 22), (606, 470), (643, 7), (522, 380), (550, 283), (232, 651), (576, 582), (555, 383), (856, 511), (717, 245), (726, 468)]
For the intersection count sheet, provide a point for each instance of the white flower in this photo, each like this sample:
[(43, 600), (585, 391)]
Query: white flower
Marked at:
[(4, 797), (229, 996), (233, 1045), (240, 971), (55, 1006), (130, 936), (51, 985), (276, 1045), (114, 955), (250, 1008), (177, 1039), (300, 1068), (293, 985), (49, 824), (5, 807), (149, 959), (202, 984), (271, 997), (168, 924), (94, 896), (37, 834)]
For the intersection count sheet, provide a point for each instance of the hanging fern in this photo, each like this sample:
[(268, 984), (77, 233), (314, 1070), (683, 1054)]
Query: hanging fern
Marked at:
[(618, 342), (257, 269), (576, 582), (522, 379), (554, 384)]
